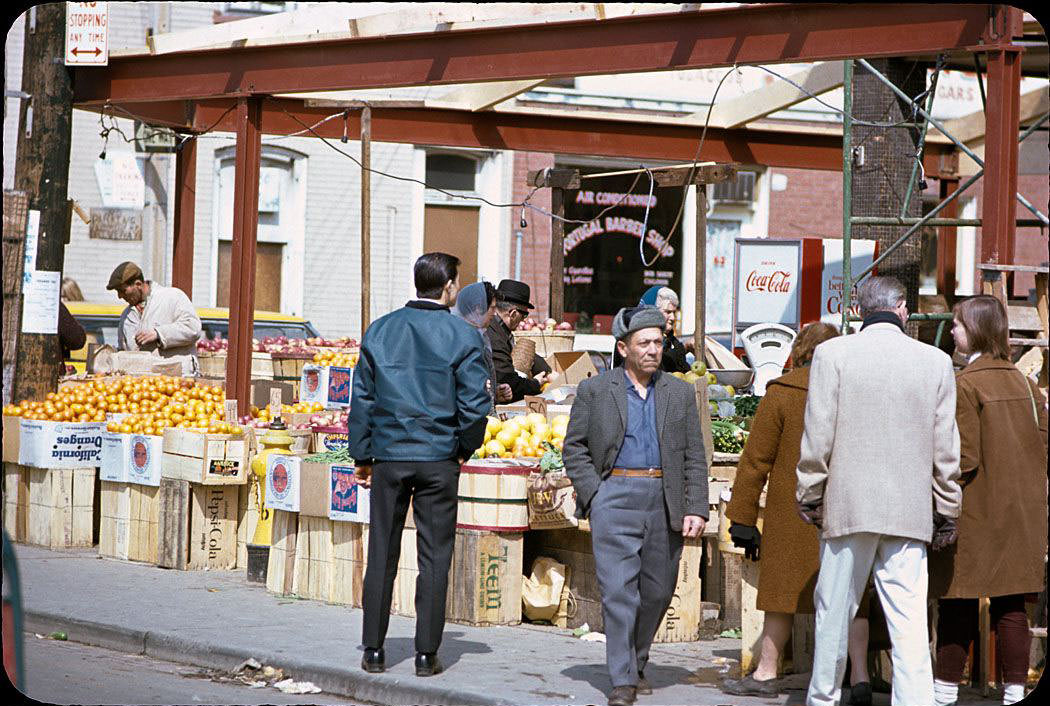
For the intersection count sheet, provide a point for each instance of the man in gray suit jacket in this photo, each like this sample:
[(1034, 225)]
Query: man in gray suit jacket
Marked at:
[(636, 458)]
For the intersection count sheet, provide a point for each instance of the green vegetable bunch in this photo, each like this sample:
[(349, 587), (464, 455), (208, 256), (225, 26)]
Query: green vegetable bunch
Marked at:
[(727, 437), (746, 405), (551, 459), (341, 456)]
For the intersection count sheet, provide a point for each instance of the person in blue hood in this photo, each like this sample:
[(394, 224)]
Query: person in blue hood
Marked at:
[(664, 299)]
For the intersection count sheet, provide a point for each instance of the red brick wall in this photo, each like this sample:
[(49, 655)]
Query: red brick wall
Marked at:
[(536, 241), (811, 206)]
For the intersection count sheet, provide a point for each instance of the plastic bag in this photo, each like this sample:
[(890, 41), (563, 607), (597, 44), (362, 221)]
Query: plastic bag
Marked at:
[(541, 592)]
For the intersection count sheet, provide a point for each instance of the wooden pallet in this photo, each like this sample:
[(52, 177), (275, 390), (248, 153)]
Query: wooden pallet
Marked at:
[(62, 507), (198, 525), (16, 501), (129, 523)]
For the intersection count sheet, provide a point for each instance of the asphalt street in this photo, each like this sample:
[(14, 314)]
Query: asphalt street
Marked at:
[(71, 673)]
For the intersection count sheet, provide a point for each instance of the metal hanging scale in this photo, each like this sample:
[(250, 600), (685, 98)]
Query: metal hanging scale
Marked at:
[(768, 347)]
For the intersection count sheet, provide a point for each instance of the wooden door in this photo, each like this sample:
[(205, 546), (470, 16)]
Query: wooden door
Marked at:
[(454, 230), (268, 260)]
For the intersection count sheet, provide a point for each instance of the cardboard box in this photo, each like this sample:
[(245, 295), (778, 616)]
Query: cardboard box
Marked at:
[(283, 482), (12, 434), (261, 392), (572, 366), (59, 444), (207, 459), (143, 456), (314, 493), (328, 384), (348, 502), (330, 439), (114, 465)]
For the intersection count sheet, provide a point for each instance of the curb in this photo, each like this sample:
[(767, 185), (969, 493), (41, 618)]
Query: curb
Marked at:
[(348, 682)]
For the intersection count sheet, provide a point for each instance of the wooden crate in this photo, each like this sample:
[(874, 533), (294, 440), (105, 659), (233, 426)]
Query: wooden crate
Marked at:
[(205, 459), (262, 366), (12, 434), (62, 507), (212, 365), (129, 522), (290, 366), (198, 525), (349, 556), (16, 501), (681, 622), (280, 568), (485, 584), (403, 601), (247, 519)]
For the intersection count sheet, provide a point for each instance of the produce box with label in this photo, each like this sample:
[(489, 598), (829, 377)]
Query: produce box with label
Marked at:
[(327, 385)]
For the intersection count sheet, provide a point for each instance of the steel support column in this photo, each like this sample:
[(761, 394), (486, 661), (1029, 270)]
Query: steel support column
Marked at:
[(242, 269), (700, 310), (946, 246), (847, 192), (185, 197), (1000, 169)]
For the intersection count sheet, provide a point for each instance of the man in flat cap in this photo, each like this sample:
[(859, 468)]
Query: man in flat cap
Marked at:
[(635, 454), (158, 319)]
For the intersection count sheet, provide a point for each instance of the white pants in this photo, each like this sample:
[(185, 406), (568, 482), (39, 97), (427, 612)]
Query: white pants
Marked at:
[(899, 566)]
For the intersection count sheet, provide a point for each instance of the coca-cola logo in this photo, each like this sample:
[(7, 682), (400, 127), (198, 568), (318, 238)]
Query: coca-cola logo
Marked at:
[(775, 282)]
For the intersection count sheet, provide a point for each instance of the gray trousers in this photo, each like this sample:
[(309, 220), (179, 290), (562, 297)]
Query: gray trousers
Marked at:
[(636, 558)]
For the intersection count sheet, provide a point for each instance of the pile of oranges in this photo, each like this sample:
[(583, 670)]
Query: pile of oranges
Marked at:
[(151, 405), (342, 360)]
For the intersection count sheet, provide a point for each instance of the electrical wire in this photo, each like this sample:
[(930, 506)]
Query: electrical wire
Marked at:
[(645, 227)]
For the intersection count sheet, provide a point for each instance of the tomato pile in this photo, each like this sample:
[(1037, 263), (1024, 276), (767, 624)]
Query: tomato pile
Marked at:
[(152, 404)]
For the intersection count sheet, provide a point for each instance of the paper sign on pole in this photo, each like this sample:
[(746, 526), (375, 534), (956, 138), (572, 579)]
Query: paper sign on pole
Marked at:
[(87, 33), (40, 293)]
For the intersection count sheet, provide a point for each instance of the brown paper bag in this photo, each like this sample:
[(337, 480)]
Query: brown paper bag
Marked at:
[(541, 592)]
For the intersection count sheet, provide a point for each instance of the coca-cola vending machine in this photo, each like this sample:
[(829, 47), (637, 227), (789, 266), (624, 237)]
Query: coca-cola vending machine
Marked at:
[(792, 282)]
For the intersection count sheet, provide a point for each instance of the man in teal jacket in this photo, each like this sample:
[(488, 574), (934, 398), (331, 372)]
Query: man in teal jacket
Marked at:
[(417, 412)]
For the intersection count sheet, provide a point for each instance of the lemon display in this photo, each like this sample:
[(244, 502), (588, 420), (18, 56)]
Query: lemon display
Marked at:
[(523, 437)]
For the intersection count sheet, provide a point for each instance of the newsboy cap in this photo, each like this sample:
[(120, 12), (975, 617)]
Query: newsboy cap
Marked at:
[(125, 272), (635, 318)]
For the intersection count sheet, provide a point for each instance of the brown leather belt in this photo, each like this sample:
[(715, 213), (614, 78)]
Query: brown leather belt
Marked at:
[(637, 472)]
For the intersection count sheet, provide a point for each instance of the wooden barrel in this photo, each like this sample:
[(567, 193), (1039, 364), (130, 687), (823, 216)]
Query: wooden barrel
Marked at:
[(493, 496)]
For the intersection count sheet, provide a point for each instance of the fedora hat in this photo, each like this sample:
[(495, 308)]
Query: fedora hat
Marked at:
[(515, 292)]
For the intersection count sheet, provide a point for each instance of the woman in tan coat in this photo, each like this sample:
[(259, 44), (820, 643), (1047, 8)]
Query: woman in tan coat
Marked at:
[(1001, 546), (790, 556)]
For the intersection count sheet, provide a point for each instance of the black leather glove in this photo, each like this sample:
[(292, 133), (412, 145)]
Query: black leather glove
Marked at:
[(945, 532), (812, 513), (746, 537)]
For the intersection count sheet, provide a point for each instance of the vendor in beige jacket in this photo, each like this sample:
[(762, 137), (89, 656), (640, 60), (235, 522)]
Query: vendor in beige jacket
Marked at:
[(877, 472), (158, 319)]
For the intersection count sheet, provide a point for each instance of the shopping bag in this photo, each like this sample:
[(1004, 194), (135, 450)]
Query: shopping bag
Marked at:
[(552, 501), (541, 592)]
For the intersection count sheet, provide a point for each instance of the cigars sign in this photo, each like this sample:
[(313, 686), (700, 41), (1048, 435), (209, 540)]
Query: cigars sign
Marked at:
[(793, 282)]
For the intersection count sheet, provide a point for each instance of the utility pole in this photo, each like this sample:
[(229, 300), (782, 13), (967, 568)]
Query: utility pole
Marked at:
[(42, 170)]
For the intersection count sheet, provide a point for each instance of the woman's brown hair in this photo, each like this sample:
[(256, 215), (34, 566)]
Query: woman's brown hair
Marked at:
[(808, 339), (984, 319)]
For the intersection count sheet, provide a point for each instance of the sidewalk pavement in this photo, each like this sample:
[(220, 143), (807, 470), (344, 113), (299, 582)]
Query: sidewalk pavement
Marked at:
[(216, 619)]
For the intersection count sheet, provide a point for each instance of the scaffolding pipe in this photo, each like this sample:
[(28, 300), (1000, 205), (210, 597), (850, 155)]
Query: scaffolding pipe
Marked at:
[(966, 150), (918, 224), (934, 222), (847, 191), (847, 287), (922, 141)]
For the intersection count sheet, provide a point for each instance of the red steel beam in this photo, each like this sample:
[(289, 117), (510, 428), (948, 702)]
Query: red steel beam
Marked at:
[(1002, 123), (947, 244), (185, 201), (757, 34), (558, 134), (242, 269)]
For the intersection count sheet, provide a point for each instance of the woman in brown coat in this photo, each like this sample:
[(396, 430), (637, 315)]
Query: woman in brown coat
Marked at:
[(1001, 546), (790, 556)]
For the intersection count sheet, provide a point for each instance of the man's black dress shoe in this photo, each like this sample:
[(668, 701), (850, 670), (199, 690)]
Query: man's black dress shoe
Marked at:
[(373, 660), (428, 664)]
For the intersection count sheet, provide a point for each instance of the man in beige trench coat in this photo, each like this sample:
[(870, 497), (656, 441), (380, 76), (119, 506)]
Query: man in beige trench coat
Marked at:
[(878, 471)]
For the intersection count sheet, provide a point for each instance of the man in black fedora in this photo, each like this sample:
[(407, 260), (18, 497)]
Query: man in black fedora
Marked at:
[(512, 306)]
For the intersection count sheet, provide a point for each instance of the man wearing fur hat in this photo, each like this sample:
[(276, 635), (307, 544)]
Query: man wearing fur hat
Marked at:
[(640, 475)]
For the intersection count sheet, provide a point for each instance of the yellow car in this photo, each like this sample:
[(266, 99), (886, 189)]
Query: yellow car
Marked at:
[(100, 323)]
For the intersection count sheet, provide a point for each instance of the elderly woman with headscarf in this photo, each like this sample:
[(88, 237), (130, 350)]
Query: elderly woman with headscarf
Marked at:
[(664, 299), (476, 304)]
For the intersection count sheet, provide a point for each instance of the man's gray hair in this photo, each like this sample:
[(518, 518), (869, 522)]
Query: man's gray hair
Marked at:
[(880, 294), (668, 295)]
